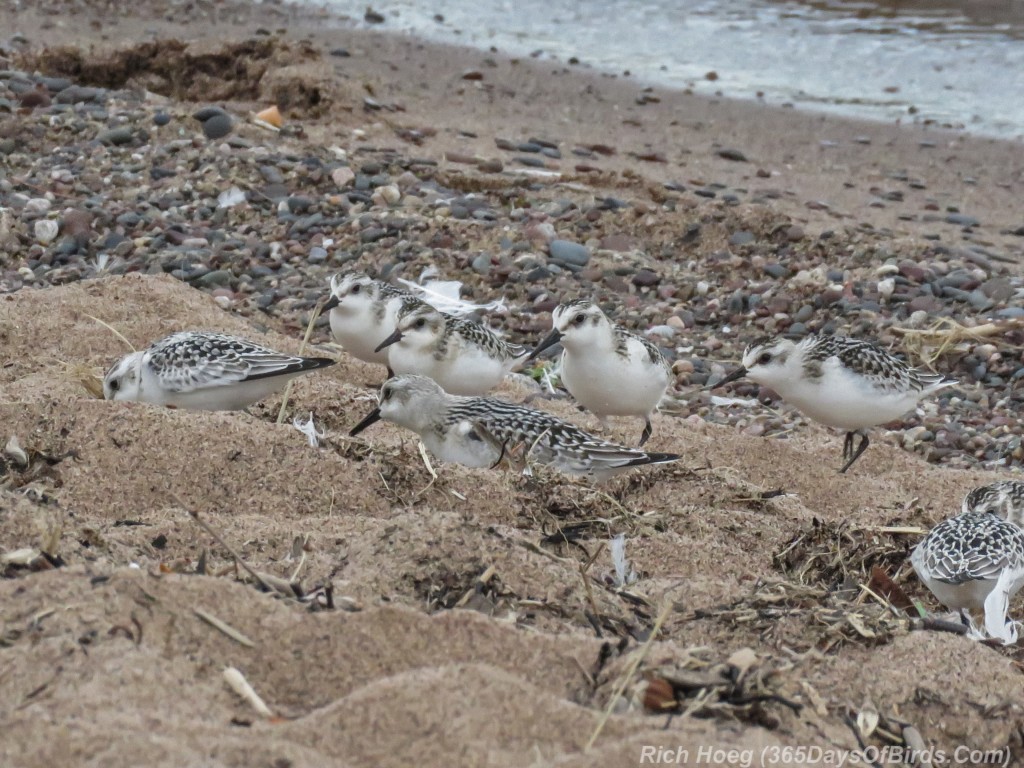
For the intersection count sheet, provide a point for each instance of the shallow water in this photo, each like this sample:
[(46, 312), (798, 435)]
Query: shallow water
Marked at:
[(957, 63)]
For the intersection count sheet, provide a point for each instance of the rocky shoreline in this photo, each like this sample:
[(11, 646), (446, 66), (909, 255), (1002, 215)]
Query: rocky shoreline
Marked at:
[(105, 180)]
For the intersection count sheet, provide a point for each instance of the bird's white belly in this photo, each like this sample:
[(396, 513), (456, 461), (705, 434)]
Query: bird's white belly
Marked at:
[(360, 338), (231, 397), (970, 595), (455, 447), (618, 388), (467, 372), (849, 405)]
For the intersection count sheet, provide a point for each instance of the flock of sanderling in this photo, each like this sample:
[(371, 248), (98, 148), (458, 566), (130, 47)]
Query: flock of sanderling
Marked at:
[(440, 366)]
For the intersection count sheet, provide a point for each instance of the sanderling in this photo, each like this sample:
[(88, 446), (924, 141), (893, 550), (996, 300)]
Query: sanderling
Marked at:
[(610, 371), (974, 564), (465, 358), (844, 383), (481, 431), (363, 313), (204, 371), (1004, 498)]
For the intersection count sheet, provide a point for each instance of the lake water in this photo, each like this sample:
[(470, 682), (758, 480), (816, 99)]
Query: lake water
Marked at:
[(958, 63)]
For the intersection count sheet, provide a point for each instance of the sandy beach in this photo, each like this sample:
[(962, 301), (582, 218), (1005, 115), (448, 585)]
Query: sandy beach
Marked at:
[(474, 618)]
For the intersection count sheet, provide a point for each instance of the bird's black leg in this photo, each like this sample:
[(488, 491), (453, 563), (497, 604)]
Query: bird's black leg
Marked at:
[(646, 433), (853, 454)]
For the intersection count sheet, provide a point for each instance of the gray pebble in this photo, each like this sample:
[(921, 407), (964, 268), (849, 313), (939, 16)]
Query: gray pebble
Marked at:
[(217, 126), (962, 220), (482, 264), (569, 253), (115, 136)]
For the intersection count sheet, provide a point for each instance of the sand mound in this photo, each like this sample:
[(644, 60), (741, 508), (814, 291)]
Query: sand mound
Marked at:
[(475, 617)]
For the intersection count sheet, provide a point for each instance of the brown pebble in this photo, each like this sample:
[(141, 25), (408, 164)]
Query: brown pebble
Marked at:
[(459, 157)]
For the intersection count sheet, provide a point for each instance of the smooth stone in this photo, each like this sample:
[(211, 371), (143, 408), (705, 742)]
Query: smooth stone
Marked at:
[(741, 238), (217, 126), (204, 114), (115, 136), (569, 253), (962, 220), (645, 278), (482, 264)]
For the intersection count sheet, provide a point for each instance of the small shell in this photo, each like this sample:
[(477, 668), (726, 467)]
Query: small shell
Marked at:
[(14, 450), (270, 117), (46, 231)]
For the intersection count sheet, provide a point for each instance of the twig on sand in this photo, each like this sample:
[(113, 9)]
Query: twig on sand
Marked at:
[(628, 675), (217, 537), (224, 627), (114, 331), (241, 686), (302, 350)]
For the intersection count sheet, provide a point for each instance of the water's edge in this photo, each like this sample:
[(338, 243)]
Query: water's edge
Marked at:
[(932, 66)]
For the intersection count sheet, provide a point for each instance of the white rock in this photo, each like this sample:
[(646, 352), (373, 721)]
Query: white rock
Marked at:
[(46, 231)]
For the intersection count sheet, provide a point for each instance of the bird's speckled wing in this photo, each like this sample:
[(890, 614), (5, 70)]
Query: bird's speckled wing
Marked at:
[(185, 362), (884, 370), (969, 547)]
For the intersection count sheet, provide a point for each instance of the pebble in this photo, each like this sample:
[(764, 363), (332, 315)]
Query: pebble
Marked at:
[(568, 252), (46, 231), (215, 122), (741, 238), (116, 136), (732, 154)]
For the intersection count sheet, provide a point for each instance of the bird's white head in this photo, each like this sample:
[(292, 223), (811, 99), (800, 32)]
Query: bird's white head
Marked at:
[(771, 361), (410, 401), (124, 379), (580, 324), (353, 293), (419, 325)]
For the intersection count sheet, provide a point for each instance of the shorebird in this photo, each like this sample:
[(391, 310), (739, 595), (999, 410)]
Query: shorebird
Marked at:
[(974, 564), (609, 370), (844, 383), (363, 312), (1004, 498), (465, 358), (481, 431), (204, 371)]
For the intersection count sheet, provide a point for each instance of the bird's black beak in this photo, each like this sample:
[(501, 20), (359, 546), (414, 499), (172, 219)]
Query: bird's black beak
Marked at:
[(394, 337), (330, 304), (549, 341), (739, 373), (371, 418)]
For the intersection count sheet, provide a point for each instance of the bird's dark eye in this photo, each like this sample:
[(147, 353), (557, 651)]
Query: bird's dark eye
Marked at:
[(421, 322), (765, 358), (579, 319), (386, 394), (356, 287), (114, 384)]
